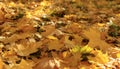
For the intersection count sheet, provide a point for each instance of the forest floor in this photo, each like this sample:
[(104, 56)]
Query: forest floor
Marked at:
[(60, 34)]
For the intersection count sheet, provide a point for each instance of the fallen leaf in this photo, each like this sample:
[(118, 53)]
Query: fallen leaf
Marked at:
[(1, 16), (85, 49), (23, 65), (47, 63), (73, 28), (99, 57), (76, 57), (49, 29), (23, 50), (55, 44), (95, 39)]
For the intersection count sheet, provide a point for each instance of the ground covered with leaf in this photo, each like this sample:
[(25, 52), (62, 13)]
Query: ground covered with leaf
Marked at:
[(60, 34)]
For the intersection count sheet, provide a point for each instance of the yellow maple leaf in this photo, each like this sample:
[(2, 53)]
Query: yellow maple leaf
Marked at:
[(99, 57), (86, 49), (75, 49)]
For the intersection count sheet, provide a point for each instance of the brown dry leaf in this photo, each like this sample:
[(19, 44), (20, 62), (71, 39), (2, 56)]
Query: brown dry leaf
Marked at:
[(23, 65), (1, 16), (47, 63), (67, 42), (55, 44), (84, 65), (73, 28), (95, 39), (43, 64), (77, 39), (49, 29), (16, 37), (74, 60), (23, 50), (72, 40), (26, 28)]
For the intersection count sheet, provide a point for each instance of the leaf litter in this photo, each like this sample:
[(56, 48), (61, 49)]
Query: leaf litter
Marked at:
[(62, 34)]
